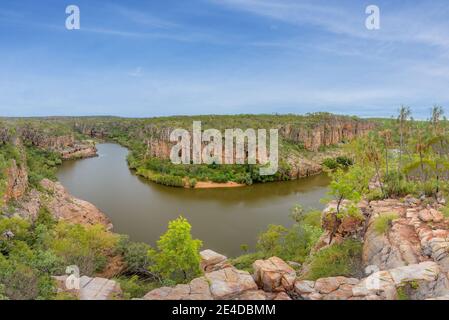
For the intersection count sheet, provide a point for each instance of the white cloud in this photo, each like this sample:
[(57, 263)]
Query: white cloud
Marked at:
[(137, 72)]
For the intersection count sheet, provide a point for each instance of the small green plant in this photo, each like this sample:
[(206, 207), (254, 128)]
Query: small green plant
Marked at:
[(342, 259), (244, 248), (383, 223), (402, 294), (192, 182), (134, 287), (445, 212), (330, 163), (245, 262)]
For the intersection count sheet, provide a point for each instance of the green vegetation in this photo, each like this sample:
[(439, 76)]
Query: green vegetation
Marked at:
[(289, 244), (134, 287), (336, 260), (42, 164), (178, 258), (383, 223), (400, 157), (339, 162), (407, 156)]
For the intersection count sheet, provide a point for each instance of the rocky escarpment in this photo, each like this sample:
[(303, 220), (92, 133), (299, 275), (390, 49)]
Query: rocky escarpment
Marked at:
[(66, 145), (61, 205), (310, 134), (330, 131)]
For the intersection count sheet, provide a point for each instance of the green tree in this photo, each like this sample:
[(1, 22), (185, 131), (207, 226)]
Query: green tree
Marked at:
[(348, 186), (178, 257)]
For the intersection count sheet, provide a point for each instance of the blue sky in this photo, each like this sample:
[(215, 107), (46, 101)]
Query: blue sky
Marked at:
[(153, 57)]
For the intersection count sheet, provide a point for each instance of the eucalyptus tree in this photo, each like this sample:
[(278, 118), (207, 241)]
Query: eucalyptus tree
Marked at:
[(404, 115), (386, 136), (437, 113)]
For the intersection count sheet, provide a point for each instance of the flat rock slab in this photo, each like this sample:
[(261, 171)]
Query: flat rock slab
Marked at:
[(91, 288)]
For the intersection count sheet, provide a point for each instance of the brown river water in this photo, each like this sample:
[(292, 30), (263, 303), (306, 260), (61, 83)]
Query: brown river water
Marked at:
[(222, 218)]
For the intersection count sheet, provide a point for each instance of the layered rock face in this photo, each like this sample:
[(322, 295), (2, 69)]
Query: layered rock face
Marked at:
[(45, 140), (79, 150), (66, 145), (61, 205), (333, 131), (16, 181)]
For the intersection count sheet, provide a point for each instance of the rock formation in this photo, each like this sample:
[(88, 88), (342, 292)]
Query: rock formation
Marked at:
[(90, 288), (61, 205), (409, 258), (16, 181)]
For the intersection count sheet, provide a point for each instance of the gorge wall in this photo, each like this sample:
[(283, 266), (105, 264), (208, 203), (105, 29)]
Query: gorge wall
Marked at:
[(329, 131)]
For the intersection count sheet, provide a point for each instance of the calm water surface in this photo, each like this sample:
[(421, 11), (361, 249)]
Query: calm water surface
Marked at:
[(222, 218)]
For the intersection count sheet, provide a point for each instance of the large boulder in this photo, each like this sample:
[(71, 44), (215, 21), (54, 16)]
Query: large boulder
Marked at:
[(197, 289), (229, 282), (212, 261), (274, 275), (425, 279)]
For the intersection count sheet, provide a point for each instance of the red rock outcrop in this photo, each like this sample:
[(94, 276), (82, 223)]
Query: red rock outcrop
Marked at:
[(63, 206), (16, 181)]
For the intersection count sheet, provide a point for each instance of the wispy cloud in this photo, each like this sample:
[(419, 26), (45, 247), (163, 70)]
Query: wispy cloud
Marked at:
[(141, 18), (137, 72), (422, 23)]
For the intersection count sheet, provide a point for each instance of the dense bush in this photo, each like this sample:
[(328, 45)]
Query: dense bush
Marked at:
[(293, 244), (395, 185), (336, 260), (330, 163), (41, 164), (135, 287), (84, 246), (136, 256)]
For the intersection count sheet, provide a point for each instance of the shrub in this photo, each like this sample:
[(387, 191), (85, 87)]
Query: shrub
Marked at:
[(336, 260), (192, 182), (245, 262), (313, 218), (22, 282), (134, 287), (395, 185), (136, 256), (178, 257), (383, 223), (330, 163), (344, 161), (445, 212), (292, 244), (84, 246)]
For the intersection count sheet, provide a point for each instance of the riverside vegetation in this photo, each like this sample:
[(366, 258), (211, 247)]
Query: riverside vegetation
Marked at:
[(378, 173)]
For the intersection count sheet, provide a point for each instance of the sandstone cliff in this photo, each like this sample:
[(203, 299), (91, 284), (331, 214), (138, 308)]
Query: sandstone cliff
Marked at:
[(16, 181), (61, 205), (65, 144)]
